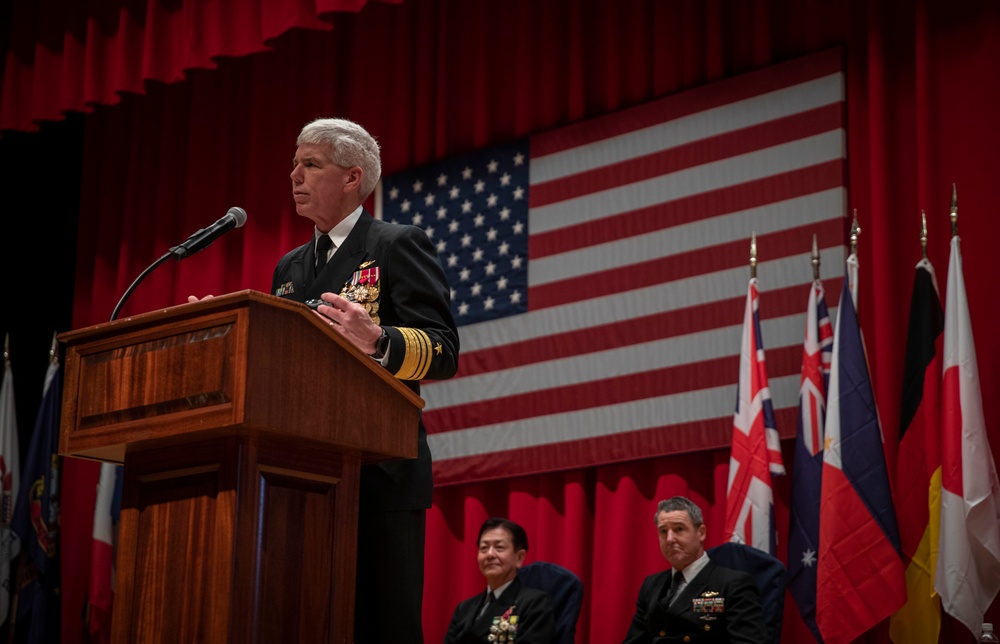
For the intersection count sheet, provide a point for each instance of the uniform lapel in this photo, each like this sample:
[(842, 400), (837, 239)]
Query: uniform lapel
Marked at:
[(299, 269), (502, 603), (345, 260), (695, 588)]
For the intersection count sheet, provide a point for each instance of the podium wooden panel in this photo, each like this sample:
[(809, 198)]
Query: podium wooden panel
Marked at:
[(242, 422)]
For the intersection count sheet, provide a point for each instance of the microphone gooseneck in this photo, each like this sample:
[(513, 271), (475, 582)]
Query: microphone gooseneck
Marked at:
[(235, 217)]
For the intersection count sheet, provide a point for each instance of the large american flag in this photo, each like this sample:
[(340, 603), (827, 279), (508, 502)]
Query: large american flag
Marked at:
[(598, 271)]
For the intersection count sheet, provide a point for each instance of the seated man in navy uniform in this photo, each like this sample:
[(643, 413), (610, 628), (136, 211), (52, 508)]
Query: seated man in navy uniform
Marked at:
[(696, 600), (508, 611)]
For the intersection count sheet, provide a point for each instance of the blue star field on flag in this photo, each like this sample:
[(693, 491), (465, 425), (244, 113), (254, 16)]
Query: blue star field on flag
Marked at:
[(474, 208)]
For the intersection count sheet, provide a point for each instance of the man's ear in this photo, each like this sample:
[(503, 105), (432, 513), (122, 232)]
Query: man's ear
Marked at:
[(519, 557), (354, 176), (702, 531)]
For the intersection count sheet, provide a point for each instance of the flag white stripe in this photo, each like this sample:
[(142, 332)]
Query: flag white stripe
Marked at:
[(815, 208), (630, 304), (686, 129), (700, 179), (591, 367), (704, 404)]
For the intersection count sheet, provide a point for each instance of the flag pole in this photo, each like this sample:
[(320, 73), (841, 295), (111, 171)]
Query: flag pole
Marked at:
[(923, 234), (815, 259), (954, 211), (855, 233), (852, 260), (54, 350)]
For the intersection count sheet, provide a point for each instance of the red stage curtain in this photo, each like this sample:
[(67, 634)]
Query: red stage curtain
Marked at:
[(432, 78), (67, 55)]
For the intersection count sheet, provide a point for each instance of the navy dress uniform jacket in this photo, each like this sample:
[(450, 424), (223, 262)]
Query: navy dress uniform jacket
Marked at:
[(412, 303), (535, 620), (691, 617)]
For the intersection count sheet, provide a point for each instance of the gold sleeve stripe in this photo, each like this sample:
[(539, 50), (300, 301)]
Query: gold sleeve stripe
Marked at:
[(417, 356)]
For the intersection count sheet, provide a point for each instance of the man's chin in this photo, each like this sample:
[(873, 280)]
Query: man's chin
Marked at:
[(678, 562), (306, 212)]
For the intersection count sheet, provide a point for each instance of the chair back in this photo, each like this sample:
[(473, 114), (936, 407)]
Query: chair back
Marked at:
[(767, 571), (566, 591)]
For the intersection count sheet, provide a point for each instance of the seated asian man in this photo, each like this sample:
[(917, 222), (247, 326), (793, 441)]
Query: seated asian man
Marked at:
[(508, 611)]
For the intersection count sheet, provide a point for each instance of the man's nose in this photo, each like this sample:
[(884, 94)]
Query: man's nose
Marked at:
[(296, 173)]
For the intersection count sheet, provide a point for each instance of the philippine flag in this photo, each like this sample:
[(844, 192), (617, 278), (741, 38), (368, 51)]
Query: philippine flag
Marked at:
[(860, 577)]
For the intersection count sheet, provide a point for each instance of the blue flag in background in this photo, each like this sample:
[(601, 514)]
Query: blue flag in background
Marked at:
[(36, 522), (803, 530), (860, 579)]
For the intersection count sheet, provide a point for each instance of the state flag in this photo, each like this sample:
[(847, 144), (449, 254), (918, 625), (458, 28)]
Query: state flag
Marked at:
[(36, 609)]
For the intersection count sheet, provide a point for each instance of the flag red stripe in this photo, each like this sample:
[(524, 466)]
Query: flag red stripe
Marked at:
[(707, 150), (702, 98), (814, 418), (626, 446), (607, 391), (752, 194), (662, 325), (701, 261)]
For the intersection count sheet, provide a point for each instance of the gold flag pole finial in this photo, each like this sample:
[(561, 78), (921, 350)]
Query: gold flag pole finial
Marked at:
[(54, 349), (855, 232), (815, 259), (6, 347), (923, 234), (753, 254), (954, 210)]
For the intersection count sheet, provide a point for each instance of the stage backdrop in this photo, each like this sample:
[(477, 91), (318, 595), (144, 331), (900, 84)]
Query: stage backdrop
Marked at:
[(599, 271)]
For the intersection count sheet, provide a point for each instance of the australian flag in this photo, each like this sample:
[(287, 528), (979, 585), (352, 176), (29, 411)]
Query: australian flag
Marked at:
[(803, 530)]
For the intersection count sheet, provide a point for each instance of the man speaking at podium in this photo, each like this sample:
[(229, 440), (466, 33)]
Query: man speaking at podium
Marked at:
[(383, 289)]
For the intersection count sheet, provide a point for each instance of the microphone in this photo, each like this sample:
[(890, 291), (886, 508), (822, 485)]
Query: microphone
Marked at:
[(235, 217)]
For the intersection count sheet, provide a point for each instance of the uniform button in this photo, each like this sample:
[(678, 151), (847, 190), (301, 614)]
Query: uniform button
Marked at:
[(687, 638), (708, 627), (663, 633)]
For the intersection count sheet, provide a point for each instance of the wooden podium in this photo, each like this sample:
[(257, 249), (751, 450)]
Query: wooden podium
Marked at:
[(242, 422)]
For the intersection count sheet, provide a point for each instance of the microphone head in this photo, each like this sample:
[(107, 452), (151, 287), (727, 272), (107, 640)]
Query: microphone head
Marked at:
[(239, 214)]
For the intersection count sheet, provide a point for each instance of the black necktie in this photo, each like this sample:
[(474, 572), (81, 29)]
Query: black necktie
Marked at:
[(675, 583), (323, 245), (487, 602)]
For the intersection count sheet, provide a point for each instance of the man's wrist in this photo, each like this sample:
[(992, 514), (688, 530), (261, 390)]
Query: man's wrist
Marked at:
[(381, 346)]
